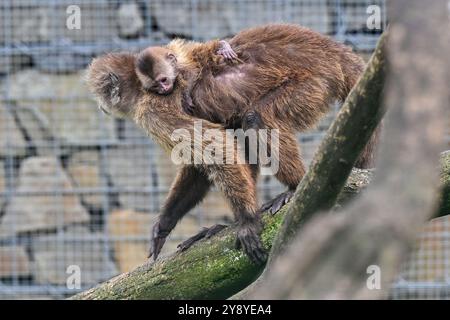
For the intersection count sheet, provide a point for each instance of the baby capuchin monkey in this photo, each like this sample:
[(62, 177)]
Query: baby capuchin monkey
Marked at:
[(157, 68)]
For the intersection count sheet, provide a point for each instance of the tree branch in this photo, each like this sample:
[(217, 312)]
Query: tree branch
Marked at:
[(213, 268)]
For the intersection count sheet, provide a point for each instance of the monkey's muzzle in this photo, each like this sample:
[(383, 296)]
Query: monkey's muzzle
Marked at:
[(165, 90)]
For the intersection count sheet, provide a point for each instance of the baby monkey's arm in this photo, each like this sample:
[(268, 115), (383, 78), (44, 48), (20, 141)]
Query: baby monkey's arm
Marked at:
[(226, 51)]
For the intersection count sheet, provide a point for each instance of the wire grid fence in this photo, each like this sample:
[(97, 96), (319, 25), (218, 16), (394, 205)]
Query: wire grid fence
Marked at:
[(79, 191)]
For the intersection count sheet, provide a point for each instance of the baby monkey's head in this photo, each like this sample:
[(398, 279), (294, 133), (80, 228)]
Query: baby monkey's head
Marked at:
[(156, 68)]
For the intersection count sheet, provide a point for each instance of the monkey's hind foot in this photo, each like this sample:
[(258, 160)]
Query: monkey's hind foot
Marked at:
[(158, 238), (248, 239), (274, 205), (204, 233)]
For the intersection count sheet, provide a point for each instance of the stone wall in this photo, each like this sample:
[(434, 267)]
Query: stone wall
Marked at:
[(32, 24)]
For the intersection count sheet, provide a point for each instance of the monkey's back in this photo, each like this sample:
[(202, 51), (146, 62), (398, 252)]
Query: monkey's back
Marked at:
[(311, 68)]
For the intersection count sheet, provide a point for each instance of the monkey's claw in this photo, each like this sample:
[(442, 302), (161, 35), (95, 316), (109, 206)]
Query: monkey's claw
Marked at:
[(274, 205), (204, 233), (248, 239), (157, 241)]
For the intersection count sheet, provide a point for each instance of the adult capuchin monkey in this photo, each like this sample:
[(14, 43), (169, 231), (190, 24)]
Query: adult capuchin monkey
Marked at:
[(286, 79)]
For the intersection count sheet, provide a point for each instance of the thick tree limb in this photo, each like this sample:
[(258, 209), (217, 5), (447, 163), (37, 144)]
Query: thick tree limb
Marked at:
[(213, 268), (210, 269)]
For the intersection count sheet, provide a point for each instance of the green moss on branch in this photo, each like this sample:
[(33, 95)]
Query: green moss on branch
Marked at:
[(213, 268)]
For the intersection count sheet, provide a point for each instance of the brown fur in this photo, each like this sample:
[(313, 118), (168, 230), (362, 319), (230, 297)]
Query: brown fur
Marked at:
[(289, 76), (160, 116)]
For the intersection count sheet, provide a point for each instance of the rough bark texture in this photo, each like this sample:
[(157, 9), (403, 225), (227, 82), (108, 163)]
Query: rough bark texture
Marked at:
[(213, 268)]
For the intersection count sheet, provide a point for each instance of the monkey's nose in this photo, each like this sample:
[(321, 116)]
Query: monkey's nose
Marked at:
[(163, 80)]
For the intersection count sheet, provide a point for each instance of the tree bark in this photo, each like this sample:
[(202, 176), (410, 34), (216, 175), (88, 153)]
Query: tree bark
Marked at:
[(213, 268)]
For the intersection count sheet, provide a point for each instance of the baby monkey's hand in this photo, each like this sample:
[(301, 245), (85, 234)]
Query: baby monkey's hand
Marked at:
[(227, 52)]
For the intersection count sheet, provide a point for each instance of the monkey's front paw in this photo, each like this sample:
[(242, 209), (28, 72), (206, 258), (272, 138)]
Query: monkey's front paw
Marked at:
[(226, 51), (248, 239), (157, 241), (274, 205)]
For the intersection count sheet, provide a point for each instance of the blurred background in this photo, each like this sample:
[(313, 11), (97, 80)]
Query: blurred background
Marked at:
[(79, 190)]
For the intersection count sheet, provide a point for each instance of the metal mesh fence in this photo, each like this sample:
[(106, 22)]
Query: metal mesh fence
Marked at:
[(79, 191)]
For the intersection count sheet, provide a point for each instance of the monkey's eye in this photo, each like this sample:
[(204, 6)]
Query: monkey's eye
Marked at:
[(171, 57)]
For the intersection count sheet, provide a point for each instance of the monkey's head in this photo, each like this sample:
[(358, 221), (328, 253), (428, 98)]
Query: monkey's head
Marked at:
[(113, 81), (156, 68)]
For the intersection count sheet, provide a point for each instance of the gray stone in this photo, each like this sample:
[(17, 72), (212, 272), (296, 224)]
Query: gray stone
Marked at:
[(13, 62), (130, 20), (61, 62), (14, 261), (76, 246), (12, 142), (214, 19), (2, 185), (129, 233), (30, 22), (132, 173), (84, 169), (25, 23), (128, 130), (43, 199), (37, 129), (65, 103), (355, 13)]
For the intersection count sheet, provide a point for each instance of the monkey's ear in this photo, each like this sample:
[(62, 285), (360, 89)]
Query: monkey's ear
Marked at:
[(113, 78), (115, 88)]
